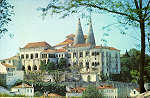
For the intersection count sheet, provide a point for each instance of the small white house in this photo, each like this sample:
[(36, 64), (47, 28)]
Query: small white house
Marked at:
[(23, 89), (9, 74), (134, 92), (75, 92), (108, 91)]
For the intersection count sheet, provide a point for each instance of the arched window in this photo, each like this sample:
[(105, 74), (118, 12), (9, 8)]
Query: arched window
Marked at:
[(29, 67), (23, 68), (35, 67)]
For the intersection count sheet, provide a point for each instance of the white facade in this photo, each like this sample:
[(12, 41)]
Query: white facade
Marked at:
[(11, 74), (73, 94), (89, 77), (133, 93), (99, 60), (23, 89)]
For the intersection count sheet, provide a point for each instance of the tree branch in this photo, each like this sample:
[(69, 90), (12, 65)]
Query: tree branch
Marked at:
[(136, 4), (147, 18), (146, 13), (112, 11), (140, 4)]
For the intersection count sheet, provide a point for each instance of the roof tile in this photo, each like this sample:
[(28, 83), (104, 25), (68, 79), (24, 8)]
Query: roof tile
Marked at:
[(23, 86), (8, 65), (36, 44)]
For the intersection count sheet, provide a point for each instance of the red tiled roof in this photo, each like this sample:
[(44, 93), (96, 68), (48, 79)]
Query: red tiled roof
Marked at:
[(53, 94), (49, 51), (105, 86), (77, 90), (61, 50), (13, 57), (36, 44), (138, 89), (23, 86), (8, 65), (66, 42), (81, 45), (105, 47)]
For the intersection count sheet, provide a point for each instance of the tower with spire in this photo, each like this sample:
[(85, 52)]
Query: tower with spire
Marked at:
[(79, 37), (91, 38)]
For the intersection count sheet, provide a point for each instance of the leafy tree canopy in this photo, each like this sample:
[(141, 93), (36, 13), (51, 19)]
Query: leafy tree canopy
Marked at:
[(91, 92), (129, 67), (6, 11), (62, 63)]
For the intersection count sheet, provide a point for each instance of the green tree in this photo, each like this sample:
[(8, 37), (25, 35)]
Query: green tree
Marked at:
[(38, 94), (128, 12), (62, 63), (91, 92), (48, 87), (57, 75), (42, 66), (129, 69), (48, 67), (6, 10)]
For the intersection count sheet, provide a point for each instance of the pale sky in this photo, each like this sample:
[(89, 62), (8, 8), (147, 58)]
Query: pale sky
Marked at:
[(28, 26)]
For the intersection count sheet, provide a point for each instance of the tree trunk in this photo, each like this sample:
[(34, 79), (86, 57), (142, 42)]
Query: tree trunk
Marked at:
[(142, 57)]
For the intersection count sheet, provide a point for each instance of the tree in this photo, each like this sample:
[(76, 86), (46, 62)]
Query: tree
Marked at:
[(128, 12), (91, 92), (6, 11), (129, 69), (62, 63), (48, 87), (48, 67), (57, 75)]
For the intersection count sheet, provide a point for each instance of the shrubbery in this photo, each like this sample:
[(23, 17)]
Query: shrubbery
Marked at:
[(8, 95)]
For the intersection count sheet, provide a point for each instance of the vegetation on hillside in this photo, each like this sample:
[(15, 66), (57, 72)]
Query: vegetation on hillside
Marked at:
[(129, 67), (91, 92)]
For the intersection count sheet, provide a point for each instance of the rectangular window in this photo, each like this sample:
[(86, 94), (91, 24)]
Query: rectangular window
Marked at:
[(51, 55), (69, 55), (9, 61), (87, 53), (74, 54), (22, 56), (93, 53), (97, 53), (27, 56), (36, 55), (56, 55), (42, 55), (81, 54), (31, 56)]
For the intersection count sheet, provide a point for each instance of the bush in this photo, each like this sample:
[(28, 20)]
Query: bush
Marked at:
[(8, 95), (91, 92), (38, 94)]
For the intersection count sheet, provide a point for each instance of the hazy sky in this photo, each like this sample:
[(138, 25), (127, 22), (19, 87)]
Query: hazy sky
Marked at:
[(28, 26)]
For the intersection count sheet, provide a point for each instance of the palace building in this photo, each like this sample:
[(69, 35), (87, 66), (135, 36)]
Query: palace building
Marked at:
[(79, 50)]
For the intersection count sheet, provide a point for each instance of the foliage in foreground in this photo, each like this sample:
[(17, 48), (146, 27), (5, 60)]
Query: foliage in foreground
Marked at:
[(8, 95), (46, 87), (91, 92)]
